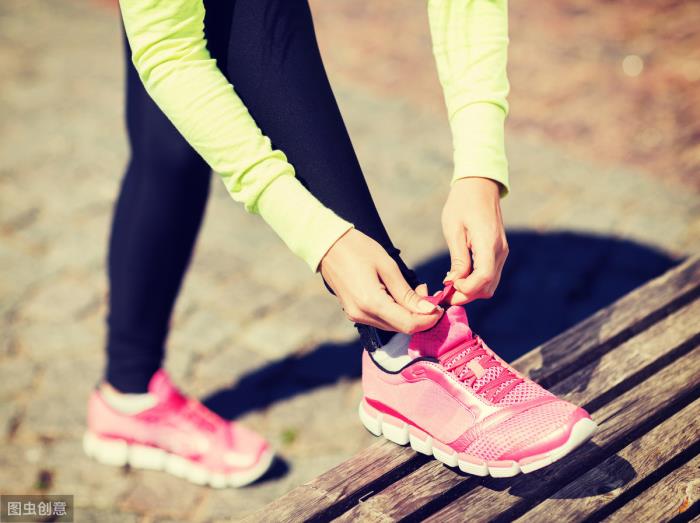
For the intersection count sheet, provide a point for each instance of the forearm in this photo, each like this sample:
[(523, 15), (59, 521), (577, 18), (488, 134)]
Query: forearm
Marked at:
[(170, 54), (470, 44)]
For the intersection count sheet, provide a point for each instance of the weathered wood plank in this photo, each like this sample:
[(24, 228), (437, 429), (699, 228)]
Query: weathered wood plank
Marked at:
[(297, 505), (405, 496), (378, 464), (611, 326), (673, 495), (616, 371), (607, 486), (330, 494), (622, 420), (594, 384)]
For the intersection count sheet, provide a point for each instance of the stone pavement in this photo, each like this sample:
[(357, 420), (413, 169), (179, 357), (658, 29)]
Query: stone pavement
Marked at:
[(253, 330)]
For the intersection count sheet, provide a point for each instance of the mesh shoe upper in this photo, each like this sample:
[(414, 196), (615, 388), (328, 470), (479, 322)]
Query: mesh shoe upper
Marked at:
[(502, 414)]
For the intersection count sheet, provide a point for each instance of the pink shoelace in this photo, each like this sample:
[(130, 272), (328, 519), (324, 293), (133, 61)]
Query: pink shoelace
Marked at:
[(458, 359), (457, 362), (200, 416), (194, 412)]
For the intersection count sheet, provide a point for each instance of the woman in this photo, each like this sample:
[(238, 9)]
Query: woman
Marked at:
[(186, 55)]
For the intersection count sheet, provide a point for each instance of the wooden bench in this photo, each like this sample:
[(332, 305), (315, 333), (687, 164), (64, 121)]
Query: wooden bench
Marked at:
[(635, 366)]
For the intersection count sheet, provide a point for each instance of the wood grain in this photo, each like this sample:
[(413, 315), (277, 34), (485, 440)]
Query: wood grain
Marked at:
[(632, 361), (349, 481), (614, 372), (674, 494), (611, 326), (407, 495), (612, 479)]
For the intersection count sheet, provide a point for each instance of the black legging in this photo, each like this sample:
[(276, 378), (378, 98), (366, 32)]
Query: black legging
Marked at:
[(268, 51)]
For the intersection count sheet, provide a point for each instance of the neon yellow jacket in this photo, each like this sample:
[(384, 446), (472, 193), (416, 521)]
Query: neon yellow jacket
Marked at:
[(470, 40)]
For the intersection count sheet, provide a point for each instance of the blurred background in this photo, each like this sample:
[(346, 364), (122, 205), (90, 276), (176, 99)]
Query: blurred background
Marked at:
[(604, 147)]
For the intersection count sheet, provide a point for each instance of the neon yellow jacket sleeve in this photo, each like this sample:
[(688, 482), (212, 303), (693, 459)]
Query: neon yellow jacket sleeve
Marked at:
[(169, 52), (470, 44)]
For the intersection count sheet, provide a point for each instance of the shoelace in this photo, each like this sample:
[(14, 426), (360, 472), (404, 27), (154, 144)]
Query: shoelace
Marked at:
[(199, 415), (457, 361)]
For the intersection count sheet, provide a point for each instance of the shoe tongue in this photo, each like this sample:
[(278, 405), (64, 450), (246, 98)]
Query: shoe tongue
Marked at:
[(450, 331), (162, 388)]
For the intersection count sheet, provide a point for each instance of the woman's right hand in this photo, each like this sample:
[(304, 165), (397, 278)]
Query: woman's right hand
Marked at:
[(371, 288)]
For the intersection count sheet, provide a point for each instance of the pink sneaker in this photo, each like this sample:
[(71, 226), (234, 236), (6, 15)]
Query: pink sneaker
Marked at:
[(458, 401), (178, 435)]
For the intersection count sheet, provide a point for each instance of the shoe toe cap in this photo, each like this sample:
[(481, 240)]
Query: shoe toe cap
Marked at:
[(552, 431), (247, 447)]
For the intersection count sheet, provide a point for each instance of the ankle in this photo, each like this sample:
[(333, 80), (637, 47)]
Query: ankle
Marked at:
[(394, 354), (126, 402)]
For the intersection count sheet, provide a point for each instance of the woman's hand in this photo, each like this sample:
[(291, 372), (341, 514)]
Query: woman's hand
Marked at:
[(371, 288), (473, 227)]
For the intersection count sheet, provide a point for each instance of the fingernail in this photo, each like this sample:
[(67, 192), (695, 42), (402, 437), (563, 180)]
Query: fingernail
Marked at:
[(448, 277), (426, 306)]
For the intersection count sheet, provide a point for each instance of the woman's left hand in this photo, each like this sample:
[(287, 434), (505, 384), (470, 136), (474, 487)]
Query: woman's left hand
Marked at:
[(473, 227)]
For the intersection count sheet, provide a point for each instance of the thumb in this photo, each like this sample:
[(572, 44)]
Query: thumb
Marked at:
[(460, 261), (402, 293)]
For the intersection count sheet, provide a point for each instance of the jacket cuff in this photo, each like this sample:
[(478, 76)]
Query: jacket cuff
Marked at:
[(305, 225), (478, 139)]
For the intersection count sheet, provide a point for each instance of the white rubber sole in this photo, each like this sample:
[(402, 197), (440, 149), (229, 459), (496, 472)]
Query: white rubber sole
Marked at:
[(401, 433), (119, 453)]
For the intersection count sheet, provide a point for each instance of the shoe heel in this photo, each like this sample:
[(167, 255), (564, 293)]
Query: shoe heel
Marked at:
[(372, 423), (382, 424)]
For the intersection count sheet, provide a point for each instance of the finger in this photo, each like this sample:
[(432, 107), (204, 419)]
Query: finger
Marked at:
[(457, 298), (381, 311), (377, 322), (480, 283), (460, 260), (401, 320), (364, 318), (422, 290), (401, 292), (383, 308)]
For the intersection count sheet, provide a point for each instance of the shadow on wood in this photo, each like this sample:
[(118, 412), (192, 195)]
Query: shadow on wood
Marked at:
[(624, 473)]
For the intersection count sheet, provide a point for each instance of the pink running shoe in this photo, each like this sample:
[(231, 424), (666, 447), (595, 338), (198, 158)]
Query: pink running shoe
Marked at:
[(178, 435), (458, 401)]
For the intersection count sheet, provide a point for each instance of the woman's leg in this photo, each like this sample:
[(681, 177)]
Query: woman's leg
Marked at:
[(155, 224), (276, 68)]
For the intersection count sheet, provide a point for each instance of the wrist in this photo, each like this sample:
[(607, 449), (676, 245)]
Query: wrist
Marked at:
[(478, 137), (332, 250), (485, 187), (305, 225)]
